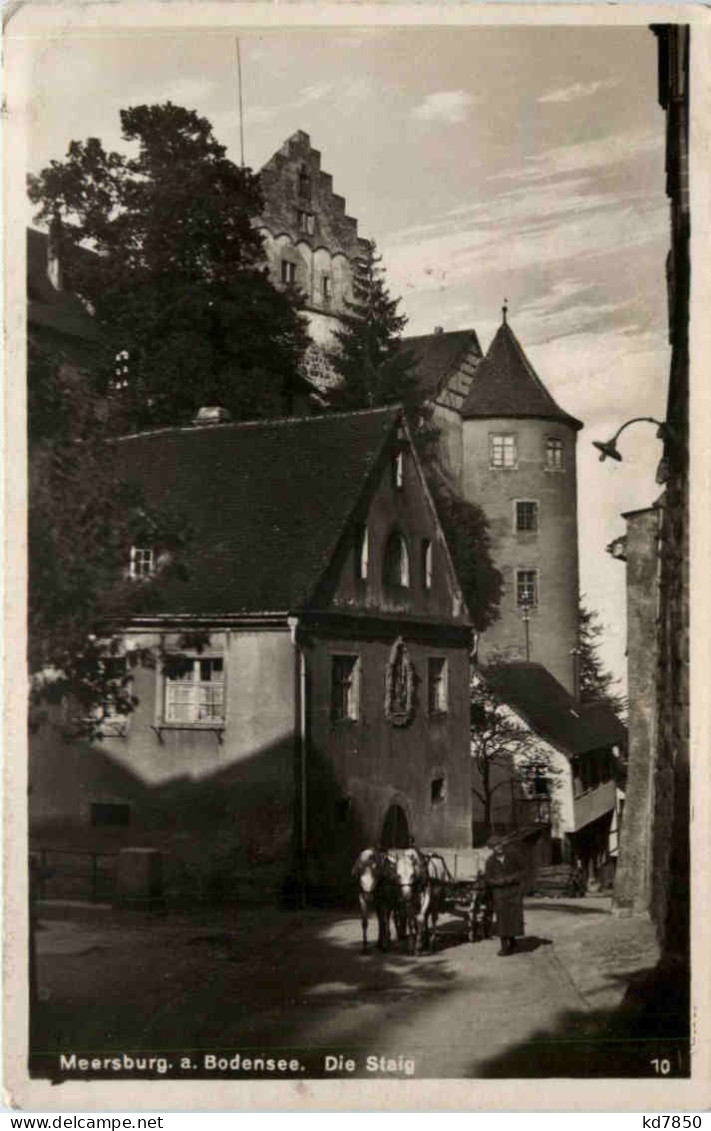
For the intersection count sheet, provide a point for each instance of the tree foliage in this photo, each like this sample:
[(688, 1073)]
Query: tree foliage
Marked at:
[(507, 754), (369, 358), (81, 525), (164, 248), (597, 685)]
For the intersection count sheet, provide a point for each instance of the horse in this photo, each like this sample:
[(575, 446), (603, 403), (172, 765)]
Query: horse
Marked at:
[(377, 891)]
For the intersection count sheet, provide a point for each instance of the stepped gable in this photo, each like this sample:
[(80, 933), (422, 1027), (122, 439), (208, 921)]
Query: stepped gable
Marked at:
[(506, 384), (444, 362), (263, 527), (293, 181)]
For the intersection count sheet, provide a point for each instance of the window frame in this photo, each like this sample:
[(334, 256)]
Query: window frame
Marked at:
[(554, 444), (210, 722), (535, 512), (137, 561), (438, 689), (494, 437), (353, 685), (288, 272), (536, 589), (305, 221)]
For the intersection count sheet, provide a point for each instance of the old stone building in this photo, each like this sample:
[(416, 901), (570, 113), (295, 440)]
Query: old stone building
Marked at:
[(308, 686), (310, 243), (512, 450)]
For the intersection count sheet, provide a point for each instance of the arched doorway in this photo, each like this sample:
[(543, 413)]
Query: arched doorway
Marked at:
[(396, 831)]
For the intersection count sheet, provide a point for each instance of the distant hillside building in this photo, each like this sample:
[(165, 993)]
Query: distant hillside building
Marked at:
[(511, 449), (310, 241)]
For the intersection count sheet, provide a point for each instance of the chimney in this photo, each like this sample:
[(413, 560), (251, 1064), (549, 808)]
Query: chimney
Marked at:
[(54, 265), (439, 329), (211, 414)]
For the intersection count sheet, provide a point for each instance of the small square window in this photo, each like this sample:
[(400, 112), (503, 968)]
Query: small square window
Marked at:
[(345, 671), (438, 791), (554, 453), (503, 450), (526, 588), (526, 516), (437, 692), (195, 690), (142, 562), (288, 271)]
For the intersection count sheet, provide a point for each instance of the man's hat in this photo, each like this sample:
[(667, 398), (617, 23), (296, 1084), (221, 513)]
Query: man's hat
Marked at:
[(493, 841)]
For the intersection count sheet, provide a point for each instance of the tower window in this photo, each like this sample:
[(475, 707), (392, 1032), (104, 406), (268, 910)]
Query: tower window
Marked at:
[(306, 221), (288, 271), (426, 563), (326, 288), (438, 791), (397, 561), (526, 587), (526, 516), (503, 451), (554, 453), (304, 184)]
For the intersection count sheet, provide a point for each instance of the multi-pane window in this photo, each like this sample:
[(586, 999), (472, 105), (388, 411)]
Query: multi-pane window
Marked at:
[(195, 690), (437, 685), (502, 449), (142, 561), (345, 681), (114, 670), (526, 587), (362, 553), (288, 271), (426, 563), (554, 452), (526, 516)]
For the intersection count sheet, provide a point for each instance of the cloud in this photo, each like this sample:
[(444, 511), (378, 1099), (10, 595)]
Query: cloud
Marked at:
[(584, 156), (578, 90), (182, 92), (448, 106)]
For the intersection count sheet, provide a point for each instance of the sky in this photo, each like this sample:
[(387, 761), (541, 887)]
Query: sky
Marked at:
[(487, 163)]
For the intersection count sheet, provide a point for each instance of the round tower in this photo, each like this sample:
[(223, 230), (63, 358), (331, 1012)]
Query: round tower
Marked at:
[(519, 465)]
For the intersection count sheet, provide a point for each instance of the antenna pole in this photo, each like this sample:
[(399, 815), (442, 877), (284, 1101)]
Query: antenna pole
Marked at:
[(241, 109)]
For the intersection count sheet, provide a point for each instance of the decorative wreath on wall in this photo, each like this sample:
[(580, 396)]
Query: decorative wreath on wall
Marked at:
[(399, 686)]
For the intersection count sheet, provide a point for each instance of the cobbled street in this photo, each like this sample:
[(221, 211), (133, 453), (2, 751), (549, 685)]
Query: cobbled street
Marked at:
[(294, 984)]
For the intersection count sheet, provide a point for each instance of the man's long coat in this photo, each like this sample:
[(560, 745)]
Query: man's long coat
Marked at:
[(505, 878)]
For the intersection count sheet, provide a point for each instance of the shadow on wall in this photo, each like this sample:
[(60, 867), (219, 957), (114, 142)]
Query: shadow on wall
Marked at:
[(232, 835)]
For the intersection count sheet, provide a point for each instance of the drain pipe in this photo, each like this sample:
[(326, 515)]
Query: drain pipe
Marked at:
[(300, 713)]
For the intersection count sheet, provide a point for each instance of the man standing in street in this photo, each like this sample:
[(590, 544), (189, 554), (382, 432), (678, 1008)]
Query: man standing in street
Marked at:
[(504, 875)]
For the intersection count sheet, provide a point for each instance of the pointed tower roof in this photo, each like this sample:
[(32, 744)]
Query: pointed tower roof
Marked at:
[(506, 384)]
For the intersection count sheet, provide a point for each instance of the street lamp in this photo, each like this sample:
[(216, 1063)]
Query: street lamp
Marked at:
[(608, 448)]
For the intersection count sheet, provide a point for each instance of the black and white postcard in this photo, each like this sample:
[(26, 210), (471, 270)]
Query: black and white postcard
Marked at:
[(355, 469)]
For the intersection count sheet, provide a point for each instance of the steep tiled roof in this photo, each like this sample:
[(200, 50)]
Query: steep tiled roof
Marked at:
[(438, 356), (506, 384), (552, 712), (266, 503), (47, 307)]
